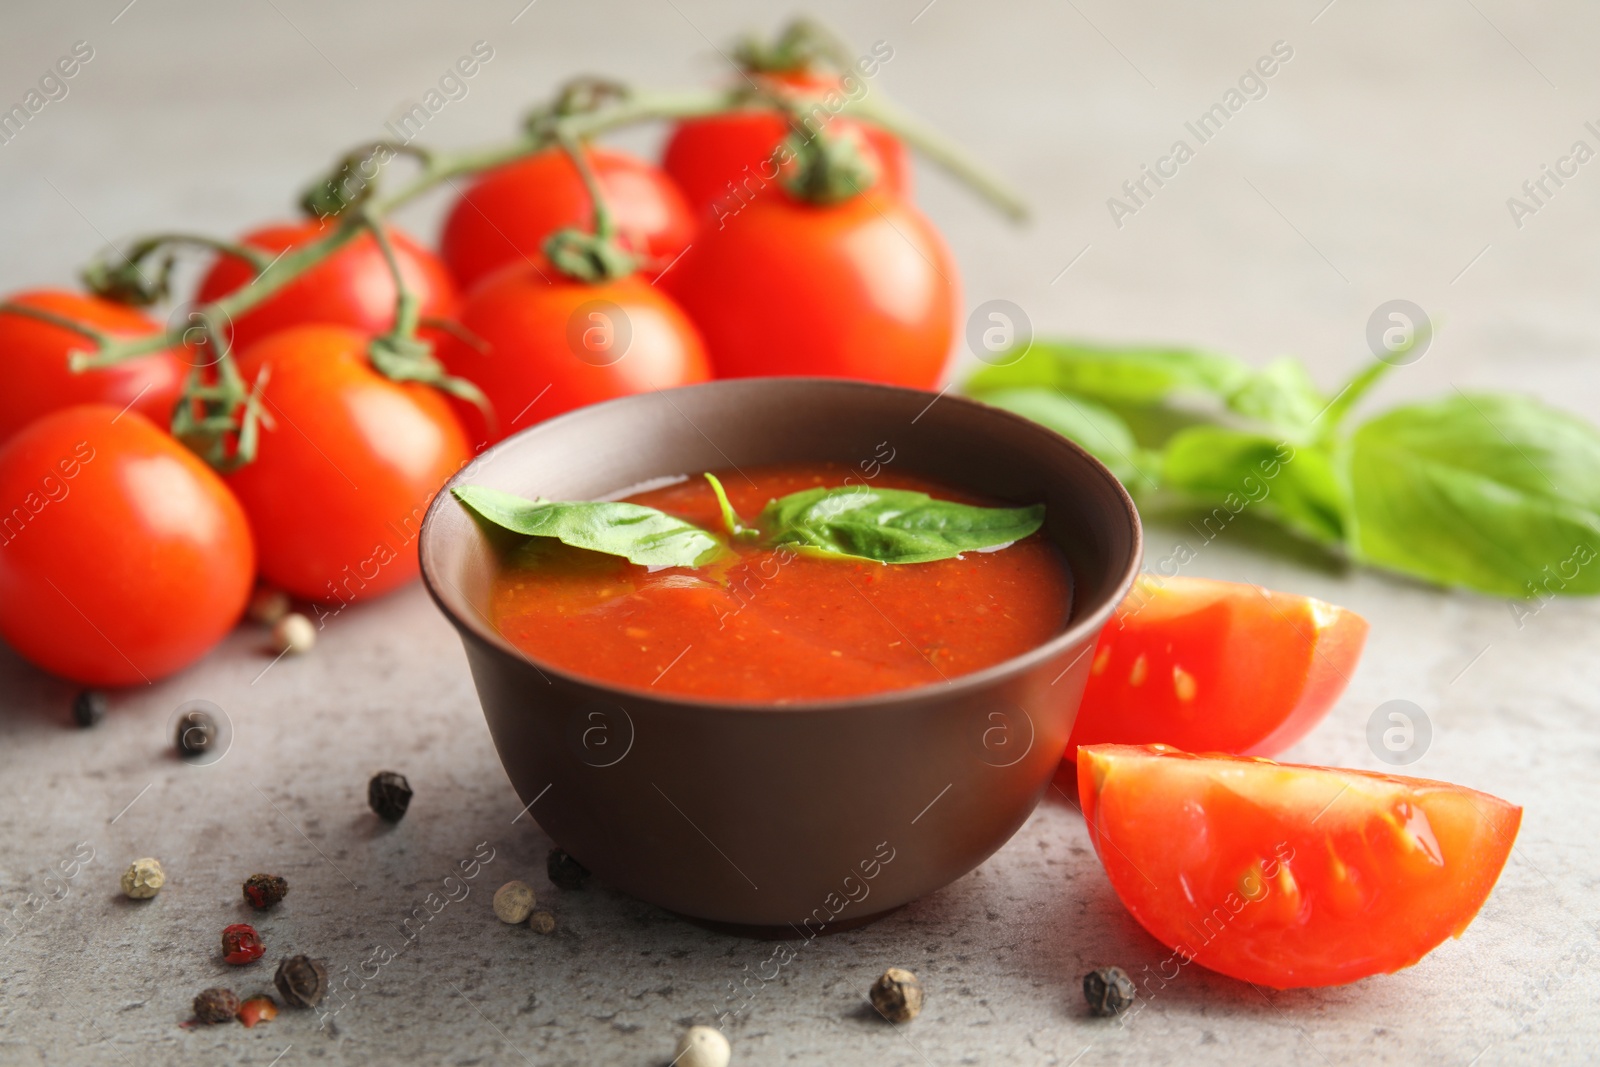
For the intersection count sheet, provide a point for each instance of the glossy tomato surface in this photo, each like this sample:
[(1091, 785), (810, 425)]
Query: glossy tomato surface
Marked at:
[(1287, 875), (39, 380), (123, 558), (861, 289), (550, 345), (345, 468), (1211, 666), (507, 214), (723, 160), (353, 287)]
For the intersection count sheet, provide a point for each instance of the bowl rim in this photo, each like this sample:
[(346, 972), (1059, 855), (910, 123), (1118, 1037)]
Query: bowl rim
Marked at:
[(478, 626)]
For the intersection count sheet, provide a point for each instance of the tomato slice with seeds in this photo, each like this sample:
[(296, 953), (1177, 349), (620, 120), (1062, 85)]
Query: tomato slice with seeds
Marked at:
[(1211, 666), (1287, 875)]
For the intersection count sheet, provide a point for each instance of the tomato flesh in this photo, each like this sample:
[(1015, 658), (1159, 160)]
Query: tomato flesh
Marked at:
[(1210, 666), (1288, 875)]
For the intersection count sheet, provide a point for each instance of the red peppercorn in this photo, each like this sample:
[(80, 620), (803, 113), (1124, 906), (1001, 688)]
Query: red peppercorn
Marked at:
[(241, 944)]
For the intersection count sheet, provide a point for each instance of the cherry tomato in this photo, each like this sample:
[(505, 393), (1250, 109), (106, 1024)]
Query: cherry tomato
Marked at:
[(353, 287), (861, 289), (345, 468), (506, 215), (123, 558), (1214, 666), (1286, 875), (38, 379), (552, 345), (722, 160)]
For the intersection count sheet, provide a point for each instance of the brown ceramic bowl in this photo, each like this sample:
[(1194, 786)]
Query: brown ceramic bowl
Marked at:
[(813, 816)]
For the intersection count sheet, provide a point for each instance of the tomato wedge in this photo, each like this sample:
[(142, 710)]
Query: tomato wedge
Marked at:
[(1287, 875), (1213, 666)]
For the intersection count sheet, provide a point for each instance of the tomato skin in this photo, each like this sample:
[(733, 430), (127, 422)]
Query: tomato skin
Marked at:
[(506, 215), (135, 563), (530, 370), (723, 160), (342, 476), (353, 287), (1287, 875), (862, 289), (1211, 666), (38, 379)]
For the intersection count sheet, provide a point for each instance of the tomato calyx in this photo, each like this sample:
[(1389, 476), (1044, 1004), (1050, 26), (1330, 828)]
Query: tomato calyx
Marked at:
[(218, 417), (804, 46), (830, 169), (593, 257), (354, 178), (129, 277)]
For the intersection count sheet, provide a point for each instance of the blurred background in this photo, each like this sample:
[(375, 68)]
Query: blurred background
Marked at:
[(1377, 165)]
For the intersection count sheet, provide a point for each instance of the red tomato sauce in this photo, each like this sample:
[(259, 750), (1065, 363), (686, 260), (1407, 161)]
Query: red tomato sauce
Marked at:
[(769, 624)]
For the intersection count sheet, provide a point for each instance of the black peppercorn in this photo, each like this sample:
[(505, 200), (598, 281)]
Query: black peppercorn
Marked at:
[(197, 733), (265, 890), (897, 995), (216, 1005), (565, 872), (301, 981), (389, 794), (88, 708), (1108, 990)]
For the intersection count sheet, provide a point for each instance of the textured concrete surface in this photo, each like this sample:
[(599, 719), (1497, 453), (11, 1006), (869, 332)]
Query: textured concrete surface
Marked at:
[(1377, 166)]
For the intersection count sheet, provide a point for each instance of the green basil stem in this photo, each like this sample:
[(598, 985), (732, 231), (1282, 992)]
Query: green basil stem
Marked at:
[(730, 518)]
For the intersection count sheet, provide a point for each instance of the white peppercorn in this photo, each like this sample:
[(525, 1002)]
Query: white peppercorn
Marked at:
[(702, 1046), (294, 634), (514, 902), (143, 879)]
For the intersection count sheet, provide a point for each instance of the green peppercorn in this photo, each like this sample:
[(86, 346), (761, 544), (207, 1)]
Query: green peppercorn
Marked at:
[(390, 795), (88, 708), (565, 872), (216, 1005), (1108, 990)]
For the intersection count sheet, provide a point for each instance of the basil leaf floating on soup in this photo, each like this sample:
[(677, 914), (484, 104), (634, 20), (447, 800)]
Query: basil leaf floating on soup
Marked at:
[(639, 534), (892, 525)]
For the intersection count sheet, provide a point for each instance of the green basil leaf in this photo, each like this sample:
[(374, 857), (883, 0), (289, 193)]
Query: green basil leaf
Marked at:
[(1098, 429), (1282, 395), (1136, 375), (1235, 470), (730, 518), (891, 525), (1496, 493), (642, 535)]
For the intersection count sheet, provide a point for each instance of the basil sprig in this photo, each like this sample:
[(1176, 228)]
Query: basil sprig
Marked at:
[(846, 522), (1496, 493)]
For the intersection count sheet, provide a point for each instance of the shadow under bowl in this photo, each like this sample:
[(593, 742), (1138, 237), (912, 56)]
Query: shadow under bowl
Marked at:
[(804, 817)]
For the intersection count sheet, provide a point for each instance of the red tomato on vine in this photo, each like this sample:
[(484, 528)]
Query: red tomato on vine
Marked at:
[(506, 215), (722, 161), (353, 287), (347, 463), (123, 558), (39, 379), (864, 288), (550, 344)]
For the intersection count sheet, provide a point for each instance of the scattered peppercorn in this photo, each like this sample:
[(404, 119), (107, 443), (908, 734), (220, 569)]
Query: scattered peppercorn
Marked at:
[(565, 872), (514, 902), (241, 943), (88, 708), (267, 605), (542, 922), (143, 879), (262, 1009), (1108, 990), (294, 634), (702, 1046), (197, 733), (389, 794), (897, 995), (301, 981), (216, 1005), (265, 890)]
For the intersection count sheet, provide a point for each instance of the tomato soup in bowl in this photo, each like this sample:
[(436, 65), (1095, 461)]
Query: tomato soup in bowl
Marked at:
[(785, 732)]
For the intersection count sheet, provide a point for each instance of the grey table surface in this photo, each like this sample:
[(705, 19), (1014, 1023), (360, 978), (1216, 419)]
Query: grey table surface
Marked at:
[(1376, 166)]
